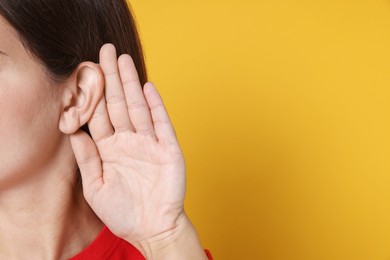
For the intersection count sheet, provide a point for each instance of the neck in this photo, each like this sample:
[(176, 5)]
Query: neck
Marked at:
[(46, 217)]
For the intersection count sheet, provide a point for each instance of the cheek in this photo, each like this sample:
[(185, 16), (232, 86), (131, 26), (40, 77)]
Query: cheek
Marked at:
[(23, 103), (28, 123)]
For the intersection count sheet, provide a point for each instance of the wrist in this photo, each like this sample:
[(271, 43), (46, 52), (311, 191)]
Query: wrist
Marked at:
[(180, 242)]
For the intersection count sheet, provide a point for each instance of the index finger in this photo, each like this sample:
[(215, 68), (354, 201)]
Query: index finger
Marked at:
[(115, 97)]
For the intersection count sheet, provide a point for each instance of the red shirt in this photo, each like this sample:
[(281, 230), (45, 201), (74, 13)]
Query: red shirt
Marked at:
[(107, 246)]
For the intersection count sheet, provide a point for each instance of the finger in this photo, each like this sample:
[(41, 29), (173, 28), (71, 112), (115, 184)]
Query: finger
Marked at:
[(162, 124), (88, 160), (116, 102), (137, 106), (100, 125)]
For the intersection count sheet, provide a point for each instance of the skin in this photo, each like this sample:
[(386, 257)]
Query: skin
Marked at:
[(132, 169)]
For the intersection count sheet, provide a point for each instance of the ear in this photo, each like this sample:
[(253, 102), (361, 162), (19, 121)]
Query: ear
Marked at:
[(81, 94)]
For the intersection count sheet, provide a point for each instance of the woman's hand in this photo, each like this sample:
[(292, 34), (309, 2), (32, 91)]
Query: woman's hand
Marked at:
[(132, 169)]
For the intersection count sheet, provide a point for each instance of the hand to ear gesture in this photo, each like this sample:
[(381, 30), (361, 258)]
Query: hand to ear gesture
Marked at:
[(132, 169)]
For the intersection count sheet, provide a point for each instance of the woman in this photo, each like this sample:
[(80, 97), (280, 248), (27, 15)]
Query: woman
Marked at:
[(53, 82)]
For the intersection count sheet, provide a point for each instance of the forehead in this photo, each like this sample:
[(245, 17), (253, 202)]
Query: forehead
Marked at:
[(9, 39), (15, 59)]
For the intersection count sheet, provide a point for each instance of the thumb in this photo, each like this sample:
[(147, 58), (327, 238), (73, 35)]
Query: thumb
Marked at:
[(88, 160)]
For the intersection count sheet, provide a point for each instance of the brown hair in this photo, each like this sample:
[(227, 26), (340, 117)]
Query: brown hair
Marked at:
[(64, 33)]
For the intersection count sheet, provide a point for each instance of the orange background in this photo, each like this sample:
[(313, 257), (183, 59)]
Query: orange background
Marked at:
[(282, 109)]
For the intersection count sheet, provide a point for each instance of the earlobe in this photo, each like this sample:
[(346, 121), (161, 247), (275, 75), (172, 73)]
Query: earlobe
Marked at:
[(81, 94)]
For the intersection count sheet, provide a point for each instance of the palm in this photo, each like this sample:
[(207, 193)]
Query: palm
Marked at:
[(133, 173)]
